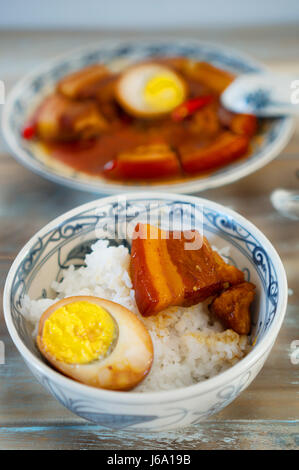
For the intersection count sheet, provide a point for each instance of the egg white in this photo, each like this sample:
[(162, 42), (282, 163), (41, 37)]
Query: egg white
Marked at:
[(130, 358), (130, 88)]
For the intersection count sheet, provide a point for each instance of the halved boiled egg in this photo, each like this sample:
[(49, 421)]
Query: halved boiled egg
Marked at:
[(149, 90), (96, 342)]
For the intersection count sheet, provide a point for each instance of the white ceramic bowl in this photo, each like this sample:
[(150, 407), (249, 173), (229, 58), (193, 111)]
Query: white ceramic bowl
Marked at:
[(270, 141), (66, 240)]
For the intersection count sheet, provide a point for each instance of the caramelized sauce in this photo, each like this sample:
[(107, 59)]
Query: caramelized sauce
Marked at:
[(91, 156), (126, 133)]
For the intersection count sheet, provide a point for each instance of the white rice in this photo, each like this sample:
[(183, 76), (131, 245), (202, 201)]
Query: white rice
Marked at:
[(188, 345)]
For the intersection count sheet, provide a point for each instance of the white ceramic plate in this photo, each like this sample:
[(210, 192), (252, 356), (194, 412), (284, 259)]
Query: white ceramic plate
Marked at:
[(28, 92)]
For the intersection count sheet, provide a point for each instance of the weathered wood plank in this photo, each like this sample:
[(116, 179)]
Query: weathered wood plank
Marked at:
[(209, 435)]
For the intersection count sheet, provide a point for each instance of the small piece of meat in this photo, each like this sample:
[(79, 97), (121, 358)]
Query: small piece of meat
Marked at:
[(102, 91), (232, 307), (177, 63), (205, 122), (226, 272), (241, 124), (60, 119), (74, 85), (209, 75), (223, 149), (146, 161), (171, 269)]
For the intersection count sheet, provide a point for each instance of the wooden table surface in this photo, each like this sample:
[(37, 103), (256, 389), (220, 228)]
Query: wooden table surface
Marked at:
[(266, 415)]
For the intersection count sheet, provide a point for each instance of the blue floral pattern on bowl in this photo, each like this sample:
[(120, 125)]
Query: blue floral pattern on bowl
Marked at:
[(67, 240)]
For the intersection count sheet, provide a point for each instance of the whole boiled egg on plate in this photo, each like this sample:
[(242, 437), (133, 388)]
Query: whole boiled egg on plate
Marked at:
[(96, 342), (150, 90)]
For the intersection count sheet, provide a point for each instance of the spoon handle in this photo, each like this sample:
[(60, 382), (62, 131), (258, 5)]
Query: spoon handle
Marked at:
[(263, 94)]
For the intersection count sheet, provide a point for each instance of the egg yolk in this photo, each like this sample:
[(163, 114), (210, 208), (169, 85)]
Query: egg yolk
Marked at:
[(163, 92), (79, 333)]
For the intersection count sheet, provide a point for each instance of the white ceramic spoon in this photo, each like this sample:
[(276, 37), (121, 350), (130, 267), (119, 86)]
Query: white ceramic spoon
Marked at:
[(267, 95), (264, 94)]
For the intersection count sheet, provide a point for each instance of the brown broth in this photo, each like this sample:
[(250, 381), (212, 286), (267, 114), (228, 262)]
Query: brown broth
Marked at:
[(126, 133), (91, 156)]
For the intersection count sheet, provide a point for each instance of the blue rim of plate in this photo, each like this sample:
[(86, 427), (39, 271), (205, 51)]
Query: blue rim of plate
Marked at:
[(26, 90)]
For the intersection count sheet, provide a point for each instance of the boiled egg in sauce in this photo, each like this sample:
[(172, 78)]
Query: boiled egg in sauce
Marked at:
[(149, 90), (96, 342)]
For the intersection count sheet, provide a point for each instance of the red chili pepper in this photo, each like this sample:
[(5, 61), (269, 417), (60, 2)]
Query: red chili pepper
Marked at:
[(28, 131), (189, 107)]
